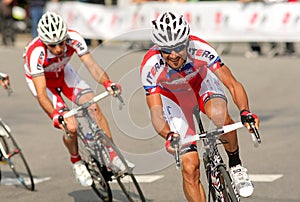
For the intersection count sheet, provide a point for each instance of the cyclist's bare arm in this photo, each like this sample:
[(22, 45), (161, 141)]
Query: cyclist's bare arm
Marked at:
[(42, 97), (236, 90), (155, 105), (96, 71)]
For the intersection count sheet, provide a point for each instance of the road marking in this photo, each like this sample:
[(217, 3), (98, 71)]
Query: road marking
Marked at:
[(143, 178), (264, 178), (148, 179), (15, 181), (253, 177)]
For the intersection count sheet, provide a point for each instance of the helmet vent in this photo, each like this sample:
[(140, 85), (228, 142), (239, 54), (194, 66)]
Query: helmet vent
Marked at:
[(170, 30), (162, 28), (52, 28)]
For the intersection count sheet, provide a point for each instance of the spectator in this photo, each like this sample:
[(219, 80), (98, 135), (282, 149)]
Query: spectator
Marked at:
[(36, 10), (7, 21)]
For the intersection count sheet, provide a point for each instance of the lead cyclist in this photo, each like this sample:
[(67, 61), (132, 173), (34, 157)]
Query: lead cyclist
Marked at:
[(180, 72), (47, 68)]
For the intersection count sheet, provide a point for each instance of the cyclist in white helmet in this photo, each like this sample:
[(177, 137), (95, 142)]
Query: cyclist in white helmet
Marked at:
[(47, 69), (178, 73)]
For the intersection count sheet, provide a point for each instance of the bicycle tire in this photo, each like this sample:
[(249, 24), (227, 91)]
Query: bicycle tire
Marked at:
[(131, 187), (227, 189), (126, 180), (16, 160), (105, 142), (100, 183), (211, 191)]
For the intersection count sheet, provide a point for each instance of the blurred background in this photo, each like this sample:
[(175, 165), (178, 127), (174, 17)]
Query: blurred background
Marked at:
[(222, 23)]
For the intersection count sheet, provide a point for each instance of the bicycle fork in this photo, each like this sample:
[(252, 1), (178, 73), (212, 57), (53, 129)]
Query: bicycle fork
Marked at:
[(212, 160)]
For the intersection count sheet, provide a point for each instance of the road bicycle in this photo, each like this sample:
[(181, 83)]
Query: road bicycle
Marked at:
[(220, 185), (12, 155), (96, 154)]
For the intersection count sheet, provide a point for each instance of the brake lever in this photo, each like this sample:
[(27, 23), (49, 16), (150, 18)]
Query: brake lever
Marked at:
[(251, 122), (175, 145), (117, 94), (61, 120)]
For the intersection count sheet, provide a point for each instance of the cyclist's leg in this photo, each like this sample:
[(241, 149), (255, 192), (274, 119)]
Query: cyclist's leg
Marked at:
[(215, 107), (179, 115), (213, 103), (80, 92), (192, 185)]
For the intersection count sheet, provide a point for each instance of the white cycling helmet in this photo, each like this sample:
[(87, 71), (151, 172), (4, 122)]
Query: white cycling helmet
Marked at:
[(170, 30), (52, 28)]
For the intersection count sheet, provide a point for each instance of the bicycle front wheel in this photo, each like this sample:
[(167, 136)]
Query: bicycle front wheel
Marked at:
[(226, 190), (15, 159), (100, 184), (124, 175), (131, 188)]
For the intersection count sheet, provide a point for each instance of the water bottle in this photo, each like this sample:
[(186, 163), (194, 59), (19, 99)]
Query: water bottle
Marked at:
[(90, 140)]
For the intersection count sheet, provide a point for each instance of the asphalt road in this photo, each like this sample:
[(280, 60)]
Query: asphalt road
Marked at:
[(272, 86)]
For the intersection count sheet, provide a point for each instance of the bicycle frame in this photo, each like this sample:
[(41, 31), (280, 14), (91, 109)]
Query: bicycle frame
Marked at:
[(100, 153), (213, 161), (99, 141)]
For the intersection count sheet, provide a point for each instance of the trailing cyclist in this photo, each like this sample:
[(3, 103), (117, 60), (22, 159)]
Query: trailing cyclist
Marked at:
[(178, 73), (47, 68)]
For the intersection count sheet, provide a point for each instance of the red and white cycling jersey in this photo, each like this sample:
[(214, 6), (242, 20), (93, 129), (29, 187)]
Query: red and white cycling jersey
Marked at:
[(58, 72), (39, 60), (181, 90), (158, 77)]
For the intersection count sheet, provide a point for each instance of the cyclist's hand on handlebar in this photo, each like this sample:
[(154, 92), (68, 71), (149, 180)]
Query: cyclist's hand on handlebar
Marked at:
[(171, 140), (4, 81), (112, 88), (55, 117), (248, 117)]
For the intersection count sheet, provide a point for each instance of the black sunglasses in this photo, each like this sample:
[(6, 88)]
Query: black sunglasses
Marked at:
[(56, 44), (169, 50)]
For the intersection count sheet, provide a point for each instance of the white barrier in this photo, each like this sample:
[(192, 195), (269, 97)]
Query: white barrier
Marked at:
[(213, 21)]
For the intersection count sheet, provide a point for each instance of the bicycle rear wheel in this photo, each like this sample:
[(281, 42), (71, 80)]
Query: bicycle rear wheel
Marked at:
[(15, 159), (100, 182)]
